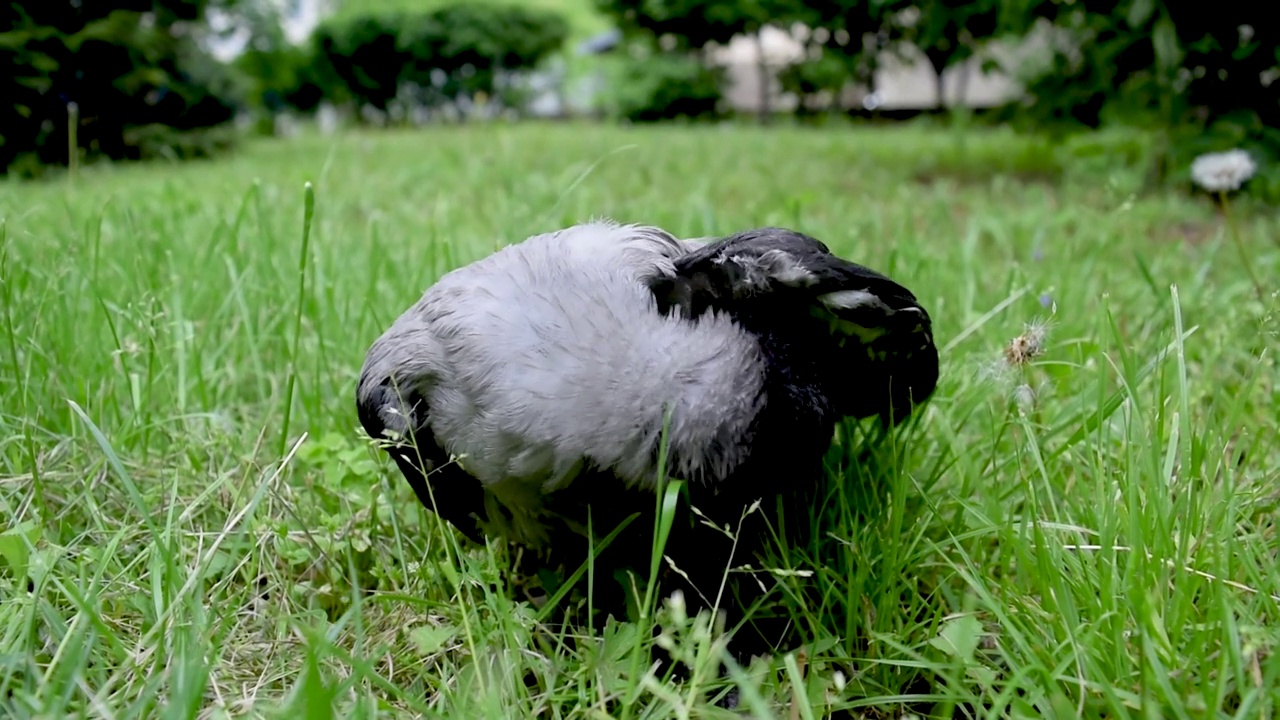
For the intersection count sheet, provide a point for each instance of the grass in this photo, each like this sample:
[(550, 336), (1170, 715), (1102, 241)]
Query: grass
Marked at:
[(194, 527)]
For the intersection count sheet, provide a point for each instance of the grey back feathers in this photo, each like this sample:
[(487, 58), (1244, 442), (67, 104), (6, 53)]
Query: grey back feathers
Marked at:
[(550, 356)]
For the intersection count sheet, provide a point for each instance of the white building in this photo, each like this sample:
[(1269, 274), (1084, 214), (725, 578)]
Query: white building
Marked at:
[(899, 84)]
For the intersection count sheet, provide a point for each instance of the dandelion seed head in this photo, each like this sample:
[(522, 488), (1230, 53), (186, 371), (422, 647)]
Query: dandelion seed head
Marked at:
[(1222, 171), (1025, 396), (1028, 346)]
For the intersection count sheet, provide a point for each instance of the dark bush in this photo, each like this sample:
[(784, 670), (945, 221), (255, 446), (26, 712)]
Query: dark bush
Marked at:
[(124, 65), (1204, 74), (450, 52), (665, 86), (280, 75), (365, 56)]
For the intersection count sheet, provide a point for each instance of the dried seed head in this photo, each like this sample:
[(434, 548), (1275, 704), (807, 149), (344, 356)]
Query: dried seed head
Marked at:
[(1027, 346)]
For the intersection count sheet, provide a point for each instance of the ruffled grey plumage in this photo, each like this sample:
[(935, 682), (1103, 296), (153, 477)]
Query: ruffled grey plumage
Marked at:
[(550, 356)]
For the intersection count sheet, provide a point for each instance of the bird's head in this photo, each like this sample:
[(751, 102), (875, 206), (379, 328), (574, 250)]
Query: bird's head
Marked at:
[(389, 393), (391, 400), (865, 338), (883, 341)]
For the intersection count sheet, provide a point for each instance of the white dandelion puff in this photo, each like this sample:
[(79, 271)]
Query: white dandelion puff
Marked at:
[(1025, 396), (1222, 171)]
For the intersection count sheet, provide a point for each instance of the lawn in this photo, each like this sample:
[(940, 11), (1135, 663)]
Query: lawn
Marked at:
[(195, 527)]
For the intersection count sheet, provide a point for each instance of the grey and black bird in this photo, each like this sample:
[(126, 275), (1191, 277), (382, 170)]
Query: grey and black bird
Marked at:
[(550, 367)]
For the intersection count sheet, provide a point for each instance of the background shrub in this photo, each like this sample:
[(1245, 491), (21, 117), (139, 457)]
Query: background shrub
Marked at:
[(664, 86), (123, 64), (451, 52)]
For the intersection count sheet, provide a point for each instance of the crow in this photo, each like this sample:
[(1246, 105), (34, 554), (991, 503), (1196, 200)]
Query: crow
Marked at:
[(535, 393)]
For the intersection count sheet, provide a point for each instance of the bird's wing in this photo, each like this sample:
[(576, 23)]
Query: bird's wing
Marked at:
[(879, 325)]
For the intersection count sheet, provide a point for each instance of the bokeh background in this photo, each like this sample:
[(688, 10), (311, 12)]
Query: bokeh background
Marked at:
[(123, 80)]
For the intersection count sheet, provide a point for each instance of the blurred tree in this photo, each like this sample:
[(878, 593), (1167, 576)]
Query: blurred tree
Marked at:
[(844, 42), (1180, 60), (279, 74), (365, 56), (462, 48), (1101, 52), (684, 29), (691, 24), (665, 86), (1207, 74), (947, 32), (1228, 57), (451, 51), (125, 66)]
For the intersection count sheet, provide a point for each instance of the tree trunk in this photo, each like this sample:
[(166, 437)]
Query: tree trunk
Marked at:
[(939, 64), (766, 84), (962, 83), (869, 82)]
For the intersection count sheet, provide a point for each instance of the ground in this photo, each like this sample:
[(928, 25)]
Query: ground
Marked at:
[(1081, 524)]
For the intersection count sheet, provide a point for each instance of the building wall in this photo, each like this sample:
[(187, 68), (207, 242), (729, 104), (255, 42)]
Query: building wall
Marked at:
[(899, 84)]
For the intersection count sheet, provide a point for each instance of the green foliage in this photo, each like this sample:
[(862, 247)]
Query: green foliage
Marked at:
[(1202, 71), (15, 547), (1125, 156), (820, 77), (1136, 56), (452, 51), (843, 39), (667, 75), (365, 57), (334, 519), (124, 65), (664, 86), (694, 23), (280, 74), (1208, 75), (950, 31), (161, 141), (583, 18)]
